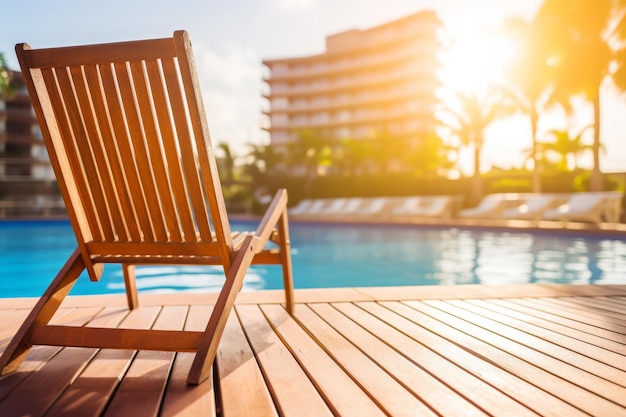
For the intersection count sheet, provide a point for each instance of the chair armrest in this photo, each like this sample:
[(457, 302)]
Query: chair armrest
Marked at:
[(276, 209)]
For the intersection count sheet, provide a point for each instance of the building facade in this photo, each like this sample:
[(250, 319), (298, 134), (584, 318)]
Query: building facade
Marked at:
[(27, 181), (379, 81)]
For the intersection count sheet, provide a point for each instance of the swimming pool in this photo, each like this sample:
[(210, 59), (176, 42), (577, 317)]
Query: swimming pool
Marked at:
[(339, 255)]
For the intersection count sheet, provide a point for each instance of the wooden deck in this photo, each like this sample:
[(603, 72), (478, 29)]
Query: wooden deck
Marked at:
[(451, 351)]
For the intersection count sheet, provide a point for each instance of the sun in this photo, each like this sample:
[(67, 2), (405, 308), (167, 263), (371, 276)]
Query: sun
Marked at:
[(473, 62)]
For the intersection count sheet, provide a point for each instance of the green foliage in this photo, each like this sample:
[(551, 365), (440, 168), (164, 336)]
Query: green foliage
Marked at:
[(5, 81)]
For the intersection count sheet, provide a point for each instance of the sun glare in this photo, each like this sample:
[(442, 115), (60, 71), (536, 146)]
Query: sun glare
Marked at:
[(475, 62)]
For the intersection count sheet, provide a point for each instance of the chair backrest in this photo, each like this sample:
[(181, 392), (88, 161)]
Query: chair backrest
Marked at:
[(582, 202), (125, 129), (539, 202)]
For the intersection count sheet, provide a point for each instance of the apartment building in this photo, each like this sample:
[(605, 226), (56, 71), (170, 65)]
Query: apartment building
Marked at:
[(366, 83), (27, 182)]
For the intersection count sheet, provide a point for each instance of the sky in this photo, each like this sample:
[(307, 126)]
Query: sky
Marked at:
[(231, 38)]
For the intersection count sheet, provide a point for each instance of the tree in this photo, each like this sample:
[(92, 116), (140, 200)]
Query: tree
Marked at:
[(354, 155), (530, 81), (5, 79), (430, 157), (387, 150), (229, 162), (566, 144), (263, 159), (311, 150), (619, 40), (469, 121), (578, 37)]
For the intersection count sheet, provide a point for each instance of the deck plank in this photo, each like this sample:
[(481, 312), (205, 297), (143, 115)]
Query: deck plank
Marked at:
[(592, 395), (342, 394), (184, 400), (550, 350), (143, 386), (421, 383), (524, 316), (89, 393), (604, 304), (391, 397), (470, 376), (553, 306), (598, 361), (587, 309), (293, 391), (552, 316), (242, 389), (32, 393), (9, 326)]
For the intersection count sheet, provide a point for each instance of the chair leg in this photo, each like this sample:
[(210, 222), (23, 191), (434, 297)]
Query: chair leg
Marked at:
[(48, 304), (207, 348), (285, 258), (131, 286)]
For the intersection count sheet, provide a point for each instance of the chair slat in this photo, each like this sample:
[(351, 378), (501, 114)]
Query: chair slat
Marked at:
[(156, 153), (165, 181), (145, 195), (188, 153), (91, 177), (83, 196), (120, 205), (206, 158), (128, 168), (172, 152), (104, 197)]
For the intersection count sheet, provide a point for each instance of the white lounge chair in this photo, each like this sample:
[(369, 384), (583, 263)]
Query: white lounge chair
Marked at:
[(350, 206), (409, 205), (583, 207), (371, 206), (490, 207), (332, 206), (532, 207), (431, 206), (311, 209), (302, 207)]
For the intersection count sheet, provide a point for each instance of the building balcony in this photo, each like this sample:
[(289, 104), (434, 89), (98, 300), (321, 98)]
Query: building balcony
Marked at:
[(421, 93), (359, 119), (21, 115), (20, 139), (364, 82), (337, 66)]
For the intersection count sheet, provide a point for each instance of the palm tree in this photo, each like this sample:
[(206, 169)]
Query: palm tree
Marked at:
[(619, 38), (263, 158), (229, 162), (566, 144), (469, 122), (577, 32), (530, 81)]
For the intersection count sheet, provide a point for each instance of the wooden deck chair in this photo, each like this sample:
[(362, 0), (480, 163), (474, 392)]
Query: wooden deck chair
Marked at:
[(125, 128)]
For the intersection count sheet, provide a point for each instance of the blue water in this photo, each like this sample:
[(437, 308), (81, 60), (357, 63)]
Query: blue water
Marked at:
[(331, 255)]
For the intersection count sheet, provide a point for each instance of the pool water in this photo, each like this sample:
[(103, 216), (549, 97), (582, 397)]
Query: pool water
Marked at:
[(338, 255)]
